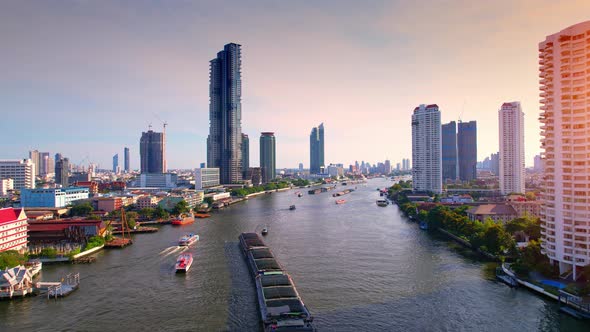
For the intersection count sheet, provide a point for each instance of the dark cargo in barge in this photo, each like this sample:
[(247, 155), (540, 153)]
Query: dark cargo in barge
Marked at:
[(281, 307)]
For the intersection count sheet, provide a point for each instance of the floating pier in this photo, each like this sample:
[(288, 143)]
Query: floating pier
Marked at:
[(59, 289), (118, 243)]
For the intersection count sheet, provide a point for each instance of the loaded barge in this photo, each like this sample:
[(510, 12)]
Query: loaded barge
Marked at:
[(281, 307)]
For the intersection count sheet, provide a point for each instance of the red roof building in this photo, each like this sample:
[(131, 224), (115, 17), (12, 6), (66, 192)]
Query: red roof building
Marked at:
[(13, 229), (72, 230)]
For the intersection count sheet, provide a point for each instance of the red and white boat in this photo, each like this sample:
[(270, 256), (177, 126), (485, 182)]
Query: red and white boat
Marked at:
[(184, 262), (340, 201)]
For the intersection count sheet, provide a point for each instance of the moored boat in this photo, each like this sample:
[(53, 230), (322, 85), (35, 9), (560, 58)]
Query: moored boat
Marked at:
[(184, 262), (183, 220), (188, 239)]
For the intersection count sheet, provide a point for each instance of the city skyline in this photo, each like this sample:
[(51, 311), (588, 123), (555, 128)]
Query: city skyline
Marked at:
[(159, 76)]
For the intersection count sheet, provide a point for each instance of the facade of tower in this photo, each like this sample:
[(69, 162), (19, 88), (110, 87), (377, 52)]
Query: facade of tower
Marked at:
[(152, 149), (126, 160), (512, 170), (224, 143), (245, 154), (467, 150), (62, 171), (116, 163), (316, 149), (426, 149), (565, 142), (268, 156), (449, 150), (35, 157)]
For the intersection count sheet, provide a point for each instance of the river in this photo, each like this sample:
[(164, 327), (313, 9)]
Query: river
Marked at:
[(357, 266)]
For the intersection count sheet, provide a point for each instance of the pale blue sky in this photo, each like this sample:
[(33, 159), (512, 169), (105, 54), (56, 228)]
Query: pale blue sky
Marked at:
[(84, 78)]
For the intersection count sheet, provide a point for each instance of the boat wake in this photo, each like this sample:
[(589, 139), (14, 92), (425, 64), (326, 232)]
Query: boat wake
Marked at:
[(171, 250)]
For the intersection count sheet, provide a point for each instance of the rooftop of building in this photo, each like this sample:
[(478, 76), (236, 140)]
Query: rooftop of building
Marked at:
[(492, 209)]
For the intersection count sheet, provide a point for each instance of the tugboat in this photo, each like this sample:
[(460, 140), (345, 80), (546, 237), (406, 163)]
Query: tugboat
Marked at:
[(188, 239), (183, 219), (184, 262), (264, 231), (292, 207)]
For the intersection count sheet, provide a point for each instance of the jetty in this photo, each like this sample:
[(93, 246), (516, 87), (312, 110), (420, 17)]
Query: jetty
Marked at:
[(140, 229), (118, 242), (59, 288)]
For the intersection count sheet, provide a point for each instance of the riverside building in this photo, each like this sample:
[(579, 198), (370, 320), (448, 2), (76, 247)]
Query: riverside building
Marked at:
[(426, 149), (224, 143), (565, 130)]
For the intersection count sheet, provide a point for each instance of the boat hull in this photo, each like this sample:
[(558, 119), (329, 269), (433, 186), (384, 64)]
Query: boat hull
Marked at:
[(184, 262)]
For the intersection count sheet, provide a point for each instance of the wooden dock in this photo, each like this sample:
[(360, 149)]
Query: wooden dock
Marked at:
[(118, 242), (140, 229)]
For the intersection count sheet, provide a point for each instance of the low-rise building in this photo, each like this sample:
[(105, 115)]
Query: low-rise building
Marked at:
[(157, 180), (497, 212), (91, 185), (57, 230), (13, 229), (52, 197), (527, 208), (457, 199), (206, 178), (147, 201), (109, 204)]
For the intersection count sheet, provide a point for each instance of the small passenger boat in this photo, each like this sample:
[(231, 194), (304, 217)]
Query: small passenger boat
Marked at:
[(292, 207), (340, 201), (188, 239), (382, 202), (264, 231), (184, 262)]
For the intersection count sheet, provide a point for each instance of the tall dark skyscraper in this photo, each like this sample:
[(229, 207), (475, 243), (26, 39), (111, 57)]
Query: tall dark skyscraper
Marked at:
[(245, 154), (316, 149), (268, 156), (152, 151), (126, 156), (449, 150), (62, 170), (224, 144), (467, 148), (115, 163)]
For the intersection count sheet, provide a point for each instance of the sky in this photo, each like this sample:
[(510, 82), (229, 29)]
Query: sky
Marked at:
[(85, 78)]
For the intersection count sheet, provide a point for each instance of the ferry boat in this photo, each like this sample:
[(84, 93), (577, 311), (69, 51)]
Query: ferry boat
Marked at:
[(340, 201), (188, 239), (382, 202), (184, 262), (183, 220)]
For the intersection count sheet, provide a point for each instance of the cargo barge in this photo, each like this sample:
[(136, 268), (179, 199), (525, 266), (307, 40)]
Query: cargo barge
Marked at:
[(281, 307)]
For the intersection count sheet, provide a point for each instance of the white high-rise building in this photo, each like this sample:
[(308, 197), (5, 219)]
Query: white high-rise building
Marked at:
[(565, 130), (22, 172), (426, 149), (512, 168)]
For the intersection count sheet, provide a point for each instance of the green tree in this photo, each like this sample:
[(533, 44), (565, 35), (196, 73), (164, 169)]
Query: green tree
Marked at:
[(11, 258), (147, 212), (180, 208), (81, 209), (160, 213)]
